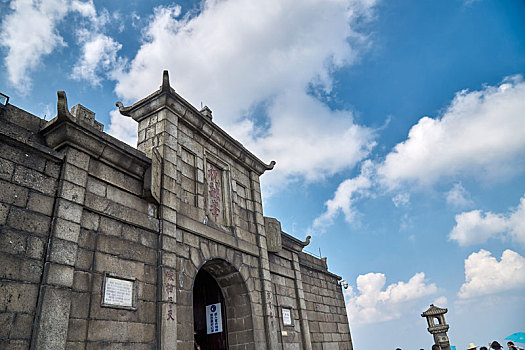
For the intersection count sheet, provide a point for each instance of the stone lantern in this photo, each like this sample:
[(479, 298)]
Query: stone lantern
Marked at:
[(437, 326)]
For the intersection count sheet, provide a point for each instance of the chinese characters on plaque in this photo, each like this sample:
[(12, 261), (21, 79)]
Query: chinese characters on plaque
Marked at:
[(287, 317), (168, 274), (118, 292), (213, 318), (215, 195)]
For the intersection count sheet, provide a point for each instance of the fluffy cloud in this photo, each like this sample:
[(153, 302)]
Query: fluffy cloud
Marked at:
[(480, 133), (99, 54), (257, 65), (485, 275), (345, 196), (475, 226), (370, 303), (28, 33), (459, 197), (123, 128)]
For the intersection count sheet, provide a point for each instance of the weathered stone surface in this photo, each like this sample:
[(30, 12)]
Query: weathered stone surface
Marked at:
[(35, 180), (52, 330), (106, 217)]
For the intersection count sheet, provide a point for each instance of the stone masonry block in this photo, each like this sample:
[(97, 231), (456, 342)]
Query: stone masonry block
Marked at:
[(52, 330), (72, 192), (22, 326), (75, 175), (40, 203), (59, 275), (89, 220), (126, 249), (114, 331), (35, 180), (4, 210), (12, 242), (96, 186), (6, 169), (13, 194), (18, 297), (6, 321), (19, 156), (16, 268), (28, 221), (63, 252), (77, 330), (66, 230), (69, 211), (120, 267), (53, 169), (35, 247), (77, 158)]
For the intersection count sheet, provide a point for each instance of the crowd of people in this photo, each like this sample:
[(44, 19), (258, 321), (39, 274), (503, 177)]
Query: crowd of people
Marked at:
[(493, 346)]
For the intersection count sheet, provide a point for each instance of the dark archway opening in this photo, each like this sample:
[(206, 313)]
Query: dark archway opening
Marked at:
[(206, 292)]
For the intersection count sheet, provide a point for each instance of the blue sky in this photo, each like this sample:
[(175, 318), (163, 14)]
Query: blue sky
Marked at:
[(398, 128)]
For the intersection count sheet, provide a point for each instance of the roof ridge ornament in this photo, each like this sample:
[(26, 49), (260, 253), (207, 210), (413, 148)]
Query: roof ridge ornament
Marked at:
[(62, 109), (165, 81)]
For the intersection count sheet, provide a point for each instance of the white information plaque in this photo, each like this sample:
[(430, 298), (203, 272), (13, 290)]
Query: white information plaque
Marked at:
[(118, 292), (213, 318), (287, 317)]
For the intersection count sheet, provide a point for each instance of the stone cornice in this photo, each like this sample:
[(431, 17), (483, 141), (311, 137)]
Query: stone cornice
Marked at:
[(197, 120), (292, 243), (64, 131)]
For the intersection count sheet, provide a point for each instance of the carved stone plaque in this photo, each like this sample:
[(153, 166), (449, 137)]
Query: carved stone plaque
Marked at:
[(215, 193), (156, 174), (273, 234), (118, 292)]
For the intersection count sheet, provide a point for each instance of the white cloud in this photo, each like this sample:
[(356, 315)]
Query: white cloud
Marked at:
[(441, 301), (401, 199), (85, 8), (479, 134), (485, 275), (459, 197), (99, 54), (123, 128), (249, 60), (476, 227), (370, 303), (29, 32), (343, 200)]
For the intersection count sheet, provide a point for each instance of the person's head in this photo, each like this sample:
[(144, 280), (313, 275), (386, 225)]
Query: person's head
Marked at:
[(510, 344), (472, 346), (436, 347), (495, 345), (483, 348)]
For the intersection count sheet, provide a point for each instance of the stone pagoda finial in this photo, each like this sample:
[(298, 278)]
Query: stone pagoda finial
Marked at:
[(437, 326)]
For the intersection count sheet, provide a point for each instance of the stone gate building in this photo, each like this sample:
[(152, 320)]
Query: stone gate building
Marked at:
[(104, 246)]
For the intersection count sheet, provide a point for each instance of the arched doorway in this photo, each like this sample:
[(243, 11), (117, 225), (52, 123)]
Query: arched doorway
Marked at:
[(217, 281), (209, 316)]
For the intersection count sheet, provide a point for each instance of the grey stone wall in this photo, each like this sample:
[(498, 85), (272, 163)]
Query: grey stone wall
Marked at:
[(77, 206), (325, 305), (28, 185)]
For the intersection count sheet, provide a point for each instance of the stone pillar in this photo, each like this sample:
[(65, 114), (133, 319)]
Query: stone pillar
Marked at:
[(157, 138), (51, 323), (301, 304), (271, 321)]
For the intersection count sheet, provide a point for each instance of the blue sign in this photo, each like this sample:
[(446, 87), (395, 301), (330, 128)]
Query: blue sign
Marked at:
[(213, 318)]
